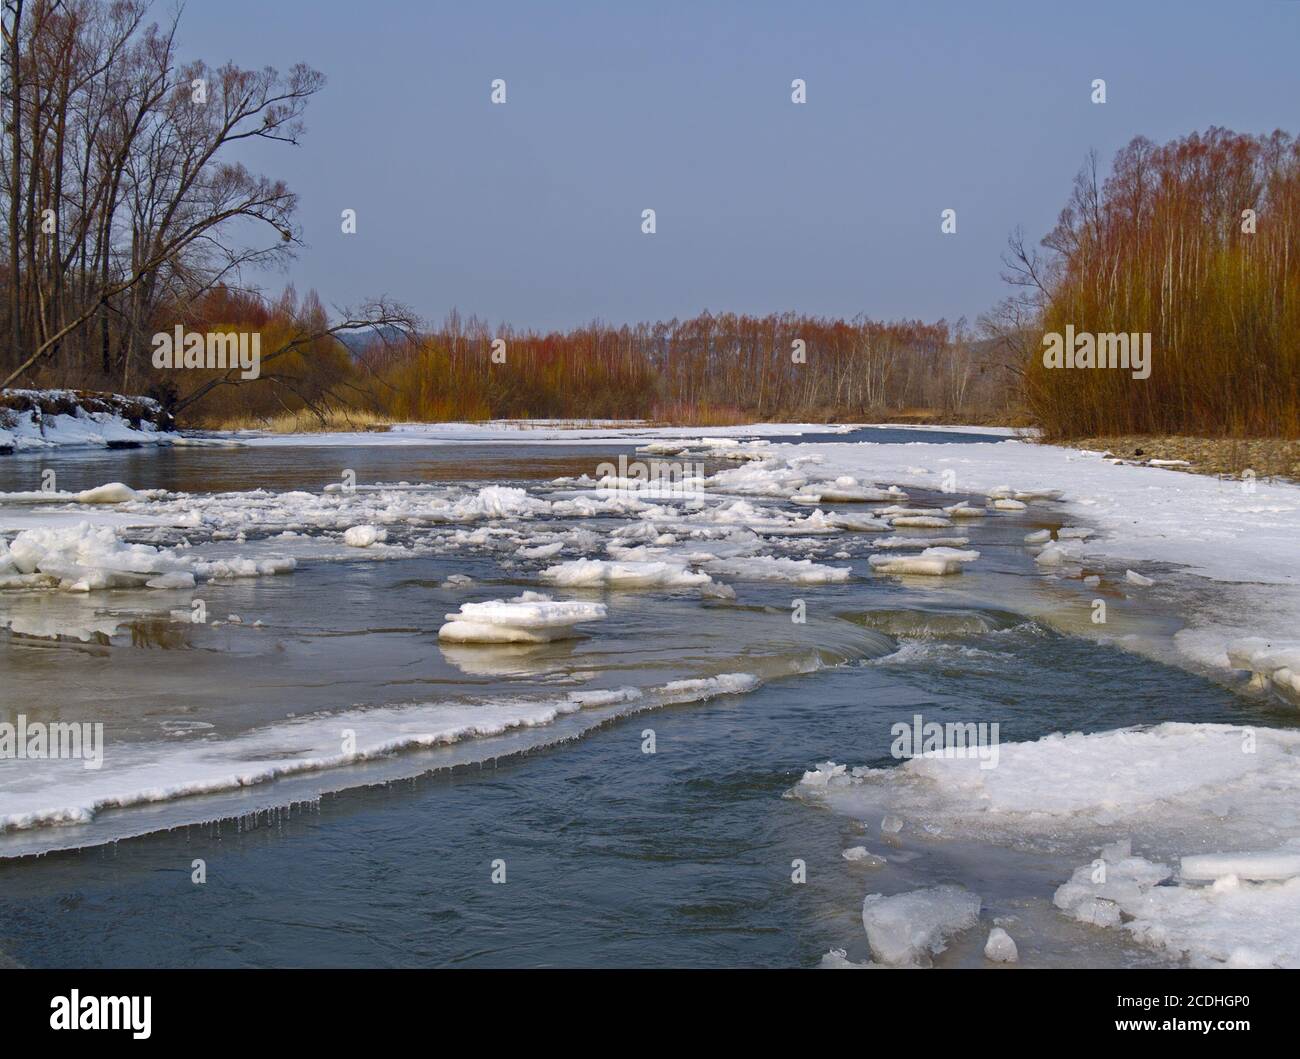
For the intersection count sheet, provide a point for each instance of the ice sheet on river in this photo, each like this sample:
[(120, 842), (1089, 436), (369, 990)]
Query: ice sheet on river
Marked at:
[(1151, 799), (39, 795)]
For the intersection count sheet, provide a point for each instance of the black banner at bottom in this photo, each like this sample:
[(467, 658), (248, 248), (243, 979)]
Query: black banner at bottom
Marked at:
[(335, 1007)]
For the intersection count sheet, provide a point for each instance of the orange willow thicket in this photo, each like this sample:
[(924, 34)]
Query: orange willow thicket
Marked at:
[(1160, 247), (707, 369), (313, 376)]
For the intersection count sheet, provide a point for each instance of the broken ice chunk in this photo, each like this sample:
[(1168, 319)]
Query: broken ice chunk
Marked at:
[(1001, 948), (364, 536), (907, 929), (860, 855), (1255, 867)]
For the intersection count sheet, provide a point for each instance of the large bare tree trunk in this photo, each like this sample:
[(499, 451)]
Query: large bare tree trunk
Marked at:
[(13, 50)]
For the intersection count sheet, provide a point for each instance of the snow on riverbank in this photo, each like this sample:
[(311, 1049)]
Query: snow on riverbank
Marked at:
[(41, 420), (1213, 527), (1243, 537), (530, 432)]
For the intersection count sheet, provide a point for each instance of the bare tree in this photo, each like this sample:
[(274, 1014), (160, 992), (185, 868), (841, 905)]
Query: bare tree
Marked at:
[(121, 193)]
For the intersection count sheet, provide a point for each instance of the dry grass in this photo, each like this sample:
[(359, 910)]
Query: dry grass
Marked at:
[(702, 415), (307, 423), (1230, 457)]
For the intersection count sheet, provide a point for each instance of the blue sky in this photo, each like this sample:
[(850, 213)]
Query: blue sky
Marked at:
[(531, 212)]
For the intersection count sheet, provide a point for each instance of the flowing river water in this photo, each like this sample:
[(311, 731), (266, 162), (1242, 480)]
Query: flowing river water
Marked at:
[(611, 855)]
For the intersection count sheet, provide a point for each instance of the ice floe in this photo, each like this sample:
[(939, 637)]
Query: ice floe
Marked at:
[(838, 959), (86, 558), (861, 855), (595, 573), (922, 542), (529, 618), (364, 536), (855, 522), (109, 493), (921, 521), (769, 568), (238, 567), (82, 558), (1270, 866), (965, 509), (907, 929), (1056, 553), (845, 489), (1000, 947), (931, 562)]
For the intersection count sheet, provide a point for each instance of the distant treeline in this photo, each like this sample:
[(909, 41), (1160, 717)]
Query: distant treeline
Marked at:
[(711, 368), (1198, 243), (717, 366)]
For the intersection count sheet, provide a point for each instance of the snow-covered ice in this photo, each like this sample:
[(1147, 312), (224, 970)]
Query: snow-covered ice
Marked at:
[(931, 562), (595, 573), (770, 568), (29, 429), (532, 617), (364, 536), (889, 543)]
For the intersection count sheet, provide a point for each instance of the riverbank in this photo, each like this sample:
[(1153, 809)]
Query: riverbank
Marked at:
[(343, 419), (1222, 457), (50, 419)]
